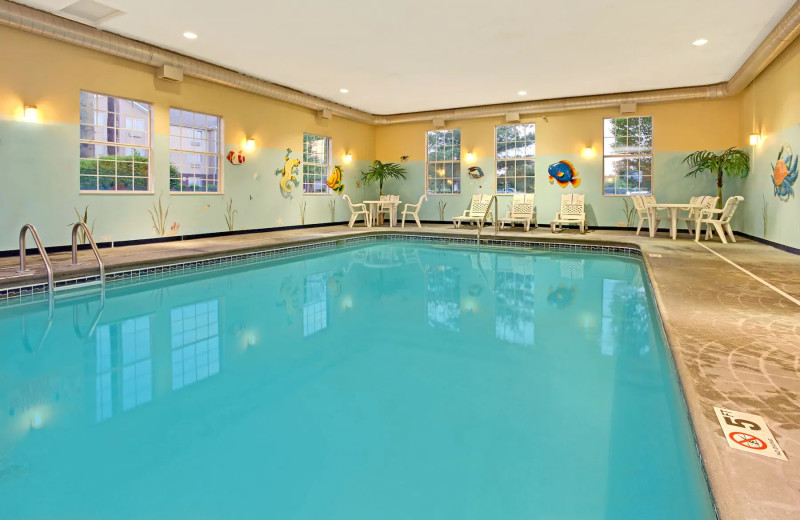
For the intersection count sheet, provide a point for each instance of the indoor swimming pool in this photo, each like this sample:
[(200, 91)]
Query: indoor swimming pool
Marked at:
[(390, 379)]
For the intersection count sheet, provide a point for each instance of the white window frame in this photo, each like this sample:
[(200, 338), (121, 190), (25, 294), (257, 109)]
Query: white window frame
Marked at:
[(630, 156), (327, 166), (218, 154), (456, 169), (94, 142), (516, 160)]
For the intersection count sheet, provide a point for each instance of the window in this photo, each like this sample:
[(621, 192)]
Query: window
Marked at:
[(194, 152), (515, 147), (316, 163), (195, 343), (132, 339), (114, 144), (443, 294), (628, 156), (315, 304), (443, 172)]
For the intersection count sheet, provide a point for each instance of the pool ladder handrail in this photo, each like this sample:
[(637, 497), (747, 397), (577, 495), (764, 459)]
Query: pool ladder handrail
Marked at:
[(481, 224), (50, 286), (42, 252), (75, 227)]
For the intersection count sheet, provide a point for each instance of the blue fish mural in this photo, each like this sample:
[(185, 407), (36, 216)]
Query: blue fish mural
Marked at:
[(475, 172), (563, 172)]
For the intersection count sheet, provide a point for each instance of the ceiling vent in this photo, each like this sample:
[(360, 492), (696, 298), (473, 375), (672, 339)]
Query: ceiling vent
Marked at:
[(169, 73), (91, 12)]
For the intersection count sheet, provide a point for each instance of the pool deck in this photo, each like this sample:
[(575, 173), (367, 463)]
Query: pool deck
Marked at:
[(734, 333)]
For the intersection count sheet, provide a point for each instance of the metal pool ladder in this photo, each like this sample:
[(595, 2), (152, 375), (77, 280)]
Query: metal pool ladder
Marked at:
[(42, 252), (50, 287), (493, 200), (94, 249)]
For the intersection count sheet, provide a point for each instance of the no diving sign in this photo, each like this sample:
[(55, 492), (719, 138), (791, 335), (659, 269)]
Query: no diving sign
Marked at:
[(748, 432)]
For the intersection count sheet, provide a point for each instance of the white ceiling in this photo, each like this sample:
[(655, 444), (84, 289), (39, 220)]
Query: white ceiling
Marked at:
[(414, 55)]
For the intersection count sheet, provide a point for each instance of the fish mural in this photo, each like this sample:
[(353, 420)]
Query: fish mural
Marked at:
[(475, 172), (561, 296), (334, 181), (289, 171), (235, 157), (784, 172), (563, 172)]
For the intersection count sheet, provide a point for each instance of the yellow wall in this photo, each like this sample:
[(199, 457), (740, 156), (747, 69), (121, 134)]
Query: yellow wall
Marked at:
[(770, 106), (49, 74), (677, 127), (777, 97)]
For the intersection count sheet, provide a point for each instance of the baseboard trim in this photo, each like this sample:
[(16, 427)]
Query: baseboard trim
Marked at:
[(776, 245)]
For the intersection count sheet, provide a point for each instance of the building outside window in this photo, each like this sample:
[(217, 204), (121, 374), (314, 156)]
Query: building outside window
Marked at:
[(114, 144), (515, 147), (194, 152), (316, 163), (628, 156), (443, 169)]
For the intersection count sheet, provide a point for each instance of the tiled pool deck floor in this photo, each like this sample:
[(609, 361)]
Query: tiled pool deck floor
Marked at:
[(736, 341)]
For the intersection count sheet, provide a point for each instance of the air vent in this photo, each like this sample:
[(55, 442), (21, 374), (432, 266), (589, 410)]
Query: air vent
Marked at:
[(169, 73), (91, 12)]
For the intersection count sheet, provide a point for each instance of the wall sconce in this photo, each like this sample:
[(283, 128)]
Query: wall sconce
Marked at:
[(30, 113), (470, 157), (587, 152), (348, 157), (755, 139), (250, 144)]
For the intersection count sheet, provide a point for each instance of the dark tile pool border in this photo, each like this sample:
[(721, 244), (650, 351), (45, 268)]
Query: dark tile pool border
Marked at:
[(38, 291)]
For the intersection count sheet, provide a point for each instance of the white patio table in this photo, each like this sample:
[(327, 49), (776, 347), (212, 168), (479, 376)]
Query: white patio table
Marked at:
[(673, 216), (373, 210)]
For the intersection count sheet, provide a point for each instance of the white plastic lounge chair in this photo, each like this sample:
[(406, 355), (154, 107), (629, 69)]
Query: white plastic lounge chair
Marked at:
[(522, 212), (572, 212), (644, 214), (413, 210), (356, 210), (476, 212), (720, 219)]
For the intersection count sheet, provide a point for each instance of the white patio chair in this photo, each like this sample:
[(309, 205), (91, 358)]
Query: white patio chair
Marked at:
[(719, 218), (572, 212), (644, 214), (388, 210), (706, 202), (691, 215), (356, 210), (413, 210), (476, 212), (522, 212)]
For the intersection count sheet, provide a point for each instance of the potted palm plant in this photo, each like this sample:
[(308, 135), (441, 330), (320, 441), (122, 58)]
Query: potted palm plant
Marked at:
[(733, 162), (380, 172)]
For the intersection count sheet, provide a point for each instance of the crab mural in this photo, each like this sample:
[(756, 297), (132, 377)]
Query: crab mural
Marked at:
[(784, 172)]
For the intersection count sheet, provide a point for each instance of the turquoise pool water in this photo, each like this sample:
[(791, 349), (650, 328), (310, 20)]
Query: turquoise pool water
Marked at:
[(388, 380)]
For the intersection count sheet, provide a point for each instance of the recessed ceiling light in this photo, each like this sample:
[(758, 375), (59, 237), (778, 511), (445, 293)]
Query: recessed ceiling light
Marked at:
[(701, 41), (190, 35), (522, 93), (343, 90)]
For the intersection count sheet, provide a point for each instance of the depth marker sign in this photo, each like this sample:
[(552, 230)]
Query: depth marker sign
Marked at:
[(748, 432)]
